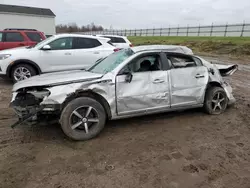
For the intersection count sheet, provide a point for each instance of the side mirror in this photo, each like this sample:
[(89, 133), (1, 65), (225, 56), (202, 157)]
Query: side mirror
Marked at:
[(46, 47), (128, 77)]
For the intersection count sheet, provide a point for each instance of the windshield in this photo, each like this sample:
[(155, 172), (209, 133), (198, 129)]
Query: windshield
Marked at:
[(42, 42), (111, 62)]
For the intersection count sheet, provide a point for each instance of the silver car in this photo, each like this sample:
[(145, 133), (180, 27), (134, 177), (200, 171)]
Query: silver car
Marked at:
[(131, 82)]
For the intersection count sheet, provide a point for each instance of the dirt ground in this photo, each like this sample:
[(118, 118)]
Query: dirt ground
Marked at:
[(188, 149)]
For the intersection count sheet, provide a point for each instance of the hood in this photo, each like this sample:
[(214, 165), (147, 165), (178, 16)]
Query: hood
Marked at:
[(10, 51), (58, 78)]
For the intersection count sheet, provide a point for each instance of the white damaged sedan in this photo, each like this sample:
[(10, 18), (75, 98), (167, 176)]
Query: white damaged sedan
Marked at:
[(131, 82)]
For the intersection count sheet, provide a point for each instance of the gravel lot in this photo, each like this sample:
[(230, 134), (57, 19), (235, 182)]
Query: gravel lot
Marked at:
[(186, 149)]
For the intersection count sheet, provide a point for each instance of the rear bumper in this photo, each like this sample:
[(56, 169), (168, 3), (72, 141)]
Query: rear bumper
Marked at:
[(229, 91)]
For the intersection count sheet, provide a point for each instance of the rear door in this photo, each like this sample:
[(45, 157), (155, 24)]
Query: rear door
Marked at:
[(86, 51), (188, 79), (13, 40)]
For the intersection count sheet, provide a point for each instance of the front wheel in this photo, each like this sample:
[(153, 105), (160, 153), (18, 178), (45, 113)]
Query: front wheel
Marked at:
[(216, 101), (83, 119), (21, 72)]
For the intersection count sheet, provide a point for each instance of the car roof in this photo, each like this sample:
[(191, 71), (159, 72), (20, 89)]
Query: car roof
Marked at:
[(165, 48), (113, 36), (80, 35), (12, 30)]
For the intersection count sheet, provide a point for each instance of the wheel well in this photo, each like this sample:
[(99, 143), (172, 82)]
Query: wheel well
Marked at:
[(93, 95), (213, 84), (27, 62), (210, 85)]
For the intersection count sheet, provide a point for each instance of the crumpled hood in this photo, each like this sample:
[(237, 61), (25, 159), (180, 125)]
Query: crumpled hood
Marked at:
[(57, 78)]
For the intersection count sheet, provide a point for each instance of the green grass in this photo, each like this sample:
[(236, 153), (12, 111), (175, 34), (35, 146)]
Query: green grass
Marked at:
[(235, 46), (163, 40)]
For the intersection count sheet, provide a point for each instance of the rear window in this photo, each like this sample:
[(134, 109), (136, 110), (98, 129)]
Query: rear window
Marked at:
[(1, 37), (83, 43), (13, 37), (116, 39), (35, 37)]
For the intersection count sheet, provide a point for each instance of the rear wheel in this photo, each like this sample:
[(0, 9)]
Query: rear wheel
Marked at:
[(216, 101), (21, 72), (83, 118)]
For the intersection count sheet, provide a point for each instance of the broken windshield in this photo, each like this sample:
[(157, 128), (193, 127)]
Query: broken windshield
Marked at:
[(111, 62)]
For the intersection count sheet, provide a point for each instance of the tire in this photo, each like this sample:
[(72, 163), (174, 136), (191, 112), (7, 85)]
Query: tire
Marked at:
[(30, 71), (75, 116), (216, 101)]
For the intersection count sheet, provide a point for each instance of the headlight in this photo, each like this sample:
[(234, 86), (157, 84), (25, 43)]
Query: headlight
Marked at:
[(4, 56)]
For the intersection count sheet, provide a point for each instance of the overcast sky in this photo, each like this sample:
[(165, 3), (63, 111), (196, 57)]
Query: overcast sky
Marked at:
[(143, 13)]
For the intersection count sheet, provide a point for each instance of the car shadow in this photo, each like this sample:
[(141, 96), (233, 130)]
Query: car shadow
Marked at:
[(6, 82), (53, 132)]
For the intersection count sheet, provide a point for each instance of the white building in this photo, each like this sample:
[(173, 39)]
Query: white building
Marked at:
[(41, 19)]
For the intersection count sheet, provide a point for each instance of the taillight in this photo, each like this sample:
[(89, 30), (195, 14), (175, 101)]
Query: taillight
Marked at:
[(131, 45), (116, 49)]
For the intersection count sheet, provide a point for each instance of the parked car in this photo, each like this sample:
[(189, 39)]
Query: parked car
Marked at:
[(118, 41), (131, 82), (12, 38), (56, 53)]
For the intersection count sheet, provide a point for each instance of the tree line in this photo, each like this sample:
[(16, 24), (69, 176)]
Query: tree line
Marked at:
[(73, 27)]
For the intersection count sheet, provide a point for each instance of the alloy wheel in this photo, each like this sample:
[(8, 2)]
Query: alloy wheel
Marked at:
[(84, 118), (218, 102), (21, 73)]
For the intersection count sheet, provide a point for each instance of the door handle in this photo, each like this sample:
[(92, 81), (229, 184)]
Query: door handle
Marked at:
[(158, 81), (67, 53), (96, 52), (199, 76), (21, 44)]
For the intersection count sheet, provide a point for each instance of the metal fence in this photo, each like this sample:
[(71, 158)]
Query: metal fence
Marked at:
[(228, 30)]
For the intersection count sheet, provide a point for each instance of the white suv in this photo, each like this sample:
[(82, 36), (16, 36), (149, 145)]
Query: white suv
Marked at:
[(57, 53), (118, 41)]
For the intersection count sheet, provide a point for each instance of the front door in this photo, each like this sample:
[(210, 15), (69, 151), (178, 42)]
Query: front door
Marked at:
[(188, 80), (13, 40), (59, 58), (148, 90)]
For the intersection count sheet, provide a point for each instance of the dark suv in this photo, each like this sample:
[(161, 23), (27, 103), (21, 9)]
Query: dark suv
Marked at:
[(12, 38)]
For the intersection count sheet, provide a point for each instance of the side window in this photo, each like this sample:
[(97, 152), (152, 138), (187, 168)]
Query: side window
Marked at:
[(61, 44), (116, 39), (1, 37), (181, 61), (84, 43), (143, 64), (35, 37), (197, 61), (13, 37), (119, 40)]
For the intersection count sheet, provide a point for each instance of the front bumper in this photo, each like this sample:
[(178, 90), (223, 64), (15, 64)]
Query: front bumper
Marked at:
[(24, 106)]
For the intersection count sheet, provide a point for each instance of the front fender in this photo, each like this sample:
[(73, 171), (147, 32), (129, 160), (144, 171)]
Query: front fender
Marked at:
[(16, 62)]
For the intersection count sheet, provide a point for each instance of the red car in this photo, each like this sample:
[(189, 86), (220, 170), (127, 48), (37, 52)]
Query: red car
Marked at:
[(12, 38)]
